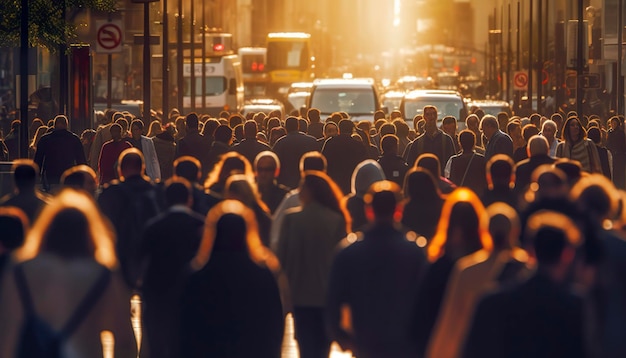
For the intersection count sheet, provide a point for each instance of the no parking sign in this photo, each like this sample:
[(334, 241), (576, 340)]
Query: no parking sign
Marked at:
[(109, 35), (520, 81)]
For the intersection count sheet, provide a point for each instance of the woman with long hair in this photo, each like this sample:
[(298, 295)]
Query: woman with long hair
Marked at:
[(576, 146), (238, 187), (68, 260), (306, 246), (232, 304), (422, 209), (462, 230)]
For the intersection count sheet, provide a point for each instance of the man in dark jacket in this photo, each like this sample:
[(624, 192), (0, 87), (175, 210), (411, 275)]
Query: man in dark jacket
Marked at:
[(375, 279), (393, 165), (193, 143), (343, 155), (250, 146), (434, 141), (289, 149), (498, 142), (538, 154), (58, 151)]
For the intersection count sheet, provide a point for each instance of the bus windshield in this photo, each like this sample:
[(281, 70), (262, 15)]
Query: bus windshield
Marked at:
[(287, 55)]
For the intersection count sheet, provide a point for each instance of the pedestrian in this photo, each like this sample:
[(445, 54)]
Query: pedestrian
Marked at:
[(65, 268), (468, 167), (231, 305), (424, 201), (238, 187), (267, 169), (110, 153), (365, 174), (375, 280), (576, 146), (343, 154), (393, 165), (57, 151), (498, 142), (25, 196), (146, 147), (305, 250), (289, 149)]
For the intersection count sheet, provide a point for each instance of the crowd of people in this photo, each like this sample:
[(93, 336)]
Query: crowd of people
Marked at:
[(504, 239)]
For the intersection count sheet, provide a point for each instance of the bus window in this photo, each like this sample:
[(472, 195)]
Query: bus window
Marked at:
[(285, 55), (214, 86)]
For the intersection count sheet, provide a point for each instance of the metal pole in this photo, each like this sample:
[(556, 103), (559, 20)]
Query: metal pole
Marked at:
[(539, 57), (580, 66), (24, 45), (192, 57), (501, 43), (620, 38), (179, 56), (530, 56), (146, 64), (165, 75), (109, 75), (508, 55), (63, 70), (518, 49), (203, 56)]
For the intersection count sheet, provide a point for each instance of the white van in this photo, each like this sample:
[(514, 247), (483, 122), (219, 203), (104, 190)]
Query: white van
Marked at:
[(356, 96), (224, 85)]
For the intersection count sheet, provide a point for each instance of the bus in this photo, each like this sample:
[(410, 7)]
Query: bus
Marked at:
[(289, 60), (224, 84), (253, 67)]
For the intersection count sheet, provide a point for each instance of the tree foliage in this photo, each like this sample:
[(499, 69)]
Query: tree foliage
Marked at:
[(46, 25)]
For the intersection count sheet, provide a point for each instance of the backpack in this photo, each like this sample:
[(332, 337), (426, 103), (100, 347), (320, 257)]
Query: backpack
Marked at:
[(37, 339)]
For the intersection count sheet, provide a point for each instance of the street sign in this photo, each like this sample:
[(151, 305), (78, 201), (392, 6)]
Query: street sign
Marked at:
[(520, 80), (587, 81), (109, 35)]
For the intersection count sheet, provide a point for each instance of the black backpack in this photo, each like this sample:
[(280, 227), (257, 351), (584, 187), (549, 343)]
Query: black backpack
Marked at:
[(37, 338)]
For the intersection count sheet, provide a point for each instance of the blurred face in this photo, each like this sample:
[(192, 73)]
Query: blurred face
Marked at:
[(135, 132), (549, 132), (574, 130), (487, 130), (265, 171), (116, 133), (472, 124), (450, 129), (613, 123), (331, 131), (430, 118)]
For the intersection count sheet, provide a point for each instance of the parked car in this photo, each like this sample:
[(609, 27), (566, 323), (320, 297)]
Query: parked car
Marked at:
[(265, 105), (492, 107)]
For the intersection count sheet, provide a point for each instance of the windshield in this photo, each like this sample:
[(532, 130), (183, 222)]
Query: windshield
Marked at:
[(287, 55), (445, 107), (352, 101), (215, 85)]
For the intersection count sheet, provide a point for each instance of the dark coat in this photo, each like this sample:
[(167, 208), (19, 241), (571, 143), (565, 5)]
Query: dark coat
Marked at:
[(525, 168), (469, 170), (289, 150), (378, 277), (169, 242), (231, 307), (500, 143), (394, 167), (249, 148), (343, 154), (198, 146), (273, 195), (58, 151), (441, 145), (537, 318)]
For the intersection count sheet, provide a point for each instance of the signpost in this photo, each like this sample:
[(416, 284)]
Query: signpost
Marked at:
[(109, 36), (520, 80), (146, 60)]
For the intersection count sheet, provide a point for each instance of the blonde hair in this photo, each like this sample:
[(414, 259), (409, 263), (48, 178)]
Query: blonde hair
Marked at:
[(436, 249), (258, 253), (101, 237)]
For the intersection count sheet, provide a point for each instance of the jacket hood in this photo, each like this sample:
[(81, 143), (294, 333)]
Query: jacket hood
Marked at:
[(365, 174)]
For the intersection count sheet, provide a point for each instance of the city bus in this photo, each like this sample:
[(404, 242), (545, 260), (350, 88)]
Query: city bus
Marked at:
[(253, 68), (289, 60), (224, 84)]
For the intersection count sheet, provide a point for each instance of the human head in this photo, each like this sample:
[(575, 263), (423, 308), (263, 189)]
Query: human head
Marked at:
[(71, 226), (573, 131), (25, 173), (472, 122), (266, 168), (430, 116), (537, 145), (429, 162), (449, 125), (136, 129), (116, 132), (554, 239), (80, 177), (60, 122), (191, 122), (330, 129), (500, 172), (178, 192), (364, 175), (420, 186), (383, 202), (239, 188), (131, 163), (504, 226), (313, 114), (313, 161), (389, 144), (189, 168), (467, 140), (489, 126), (291, 124), (155, 128), (224, 134), (548, 130), (462, 228), (318, 187), (250, 129), (346, 127), (595, 135), (14, 224)]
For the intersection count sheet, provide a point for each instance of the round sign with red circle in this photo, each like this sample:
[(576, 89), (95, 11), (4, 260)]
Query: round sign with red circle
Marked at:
[(520, 80), (109, 37)]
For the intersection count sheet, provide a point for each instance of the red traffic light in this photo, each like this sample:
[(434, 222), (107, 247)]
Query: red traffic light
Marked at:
[(218, 47)]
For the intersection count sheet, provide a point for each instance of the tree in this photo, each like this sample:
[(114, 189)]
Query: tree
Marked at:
[(46, 22)]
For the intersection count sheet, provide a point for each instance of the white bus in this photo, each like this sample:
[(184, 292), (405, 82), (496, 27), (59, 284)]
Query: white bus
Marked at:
[(224, 90)]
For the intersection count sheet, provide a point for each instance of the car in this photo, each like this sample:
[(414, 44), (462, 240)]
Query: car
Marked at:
[(392, 99), (408, 83), (448, 103), (492, 107), (298, 95), (134, 107), (265, 105), (356, 96)]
